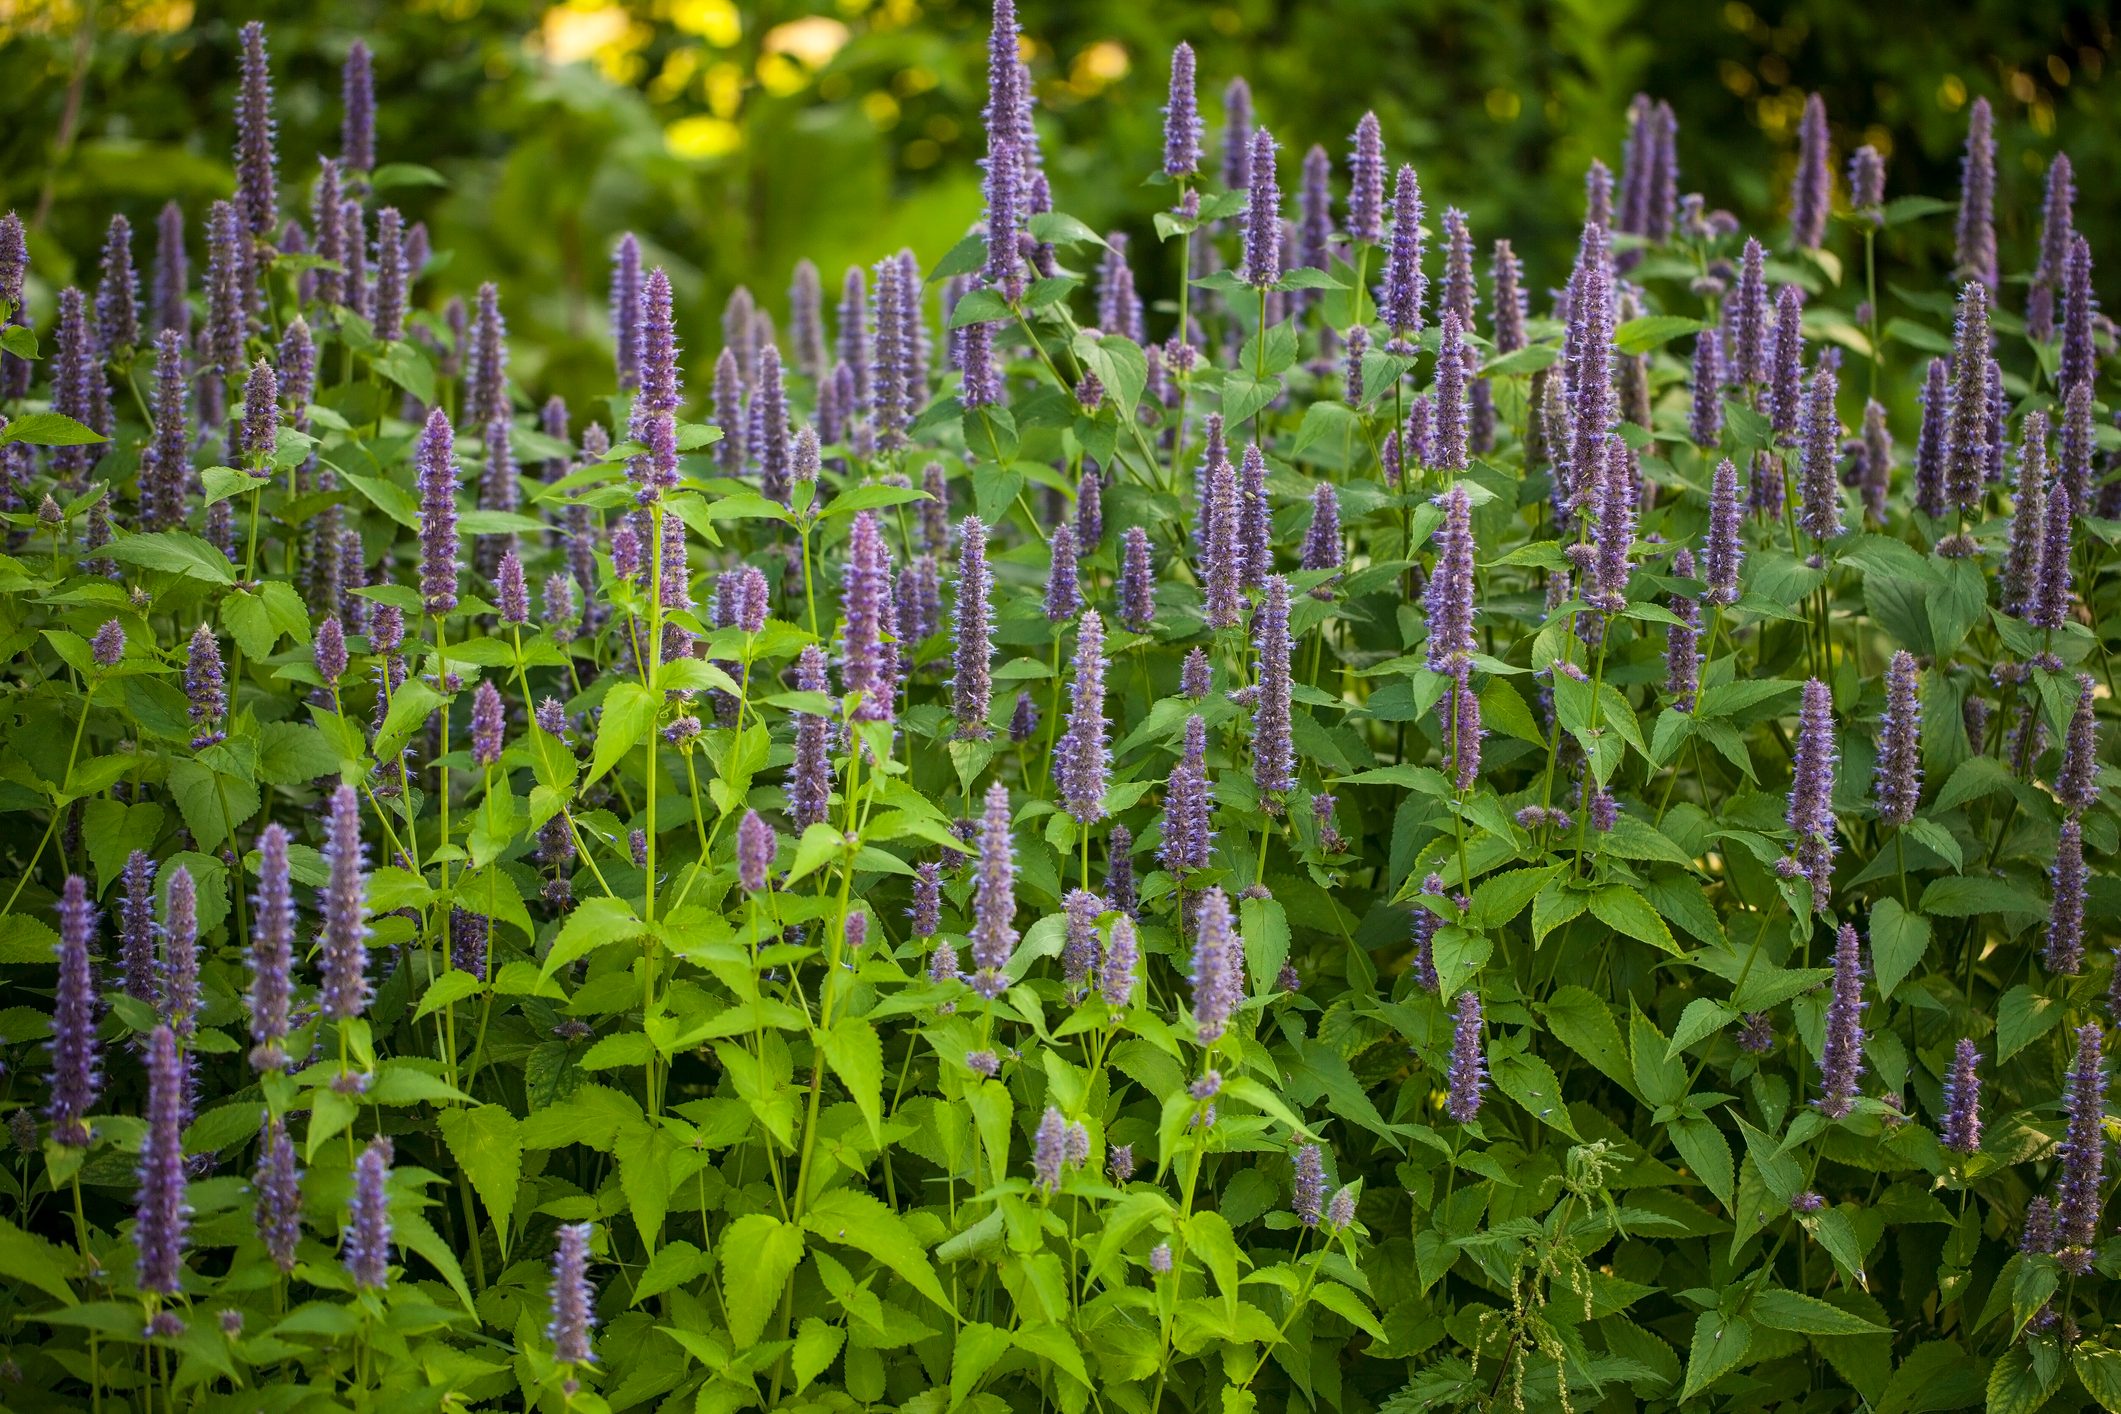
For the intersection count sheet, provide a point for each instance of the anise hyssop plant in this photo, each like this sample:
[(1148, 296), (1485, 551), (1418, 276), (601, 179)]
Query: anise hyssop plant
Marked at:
[(1361, 838)]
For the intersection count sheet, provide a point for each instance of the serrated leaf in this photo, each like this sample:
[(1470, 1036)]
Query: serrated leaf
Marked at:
[(758, 1254), (1624, 910), (856, 1056), (1779, 1309), (487, 1144), (1720, 1346), (856, 1219)]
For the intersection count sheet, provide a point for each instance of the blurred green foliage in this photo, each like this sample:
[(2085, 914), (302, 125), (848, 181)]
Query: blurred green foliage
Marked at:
[(736, 138)]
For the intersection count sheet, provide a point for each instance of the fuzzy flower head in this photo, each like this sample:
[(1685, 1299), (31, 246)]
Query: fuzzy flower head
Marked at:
[(76, 1075), (1218, 967), (1841, 1057), (994, 895), (1468, 1071), (364, 1240), (573, 1314)]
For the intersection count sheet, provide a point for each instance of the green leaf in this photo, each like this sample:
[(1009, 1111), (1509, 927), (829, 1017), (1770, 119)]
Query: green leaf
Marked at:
[(856, 1056), (2018, 1384), (1624, 910), (2099, 1368), (175, 552), (673, 1265), (1659, 1077), (596, 923), (1720, 1346), (629, 714), (1641, 335), (975, 1349), (759, 1252), (487, 1144), (852, 1218), (1584, 1023), (2023, 1016), (1265, 932), (1531, 1082), (452, 986), (26, 1257), (1704, 1016), (405, 174), (224, 482), (1898, 941), (1968, 897), (49, 429), (1707, 1153), (817, 1345), (1782, 1310), (1501, 897)]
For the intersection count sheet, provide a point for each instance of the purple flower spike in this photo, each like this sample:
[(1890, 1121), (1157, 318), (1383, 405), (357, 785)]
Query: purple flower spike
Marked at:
[(1079, 946), (1448, 597), (2083, 1147), (1273, 749), (357, 108), (344, 903), (1181, 117), (755, 846), (1322, 548), (1426, 921), (1682, 651), (1961, 1130), (2065, 916), (1867, 183), (227, 288), (972, 684), (2080, 306), (2075, 783), (1188, 800), (261, 415), (1137, 581), (1588, 355), (1811, 805), (107, 648), (77, 1076), (1064, 598), (1308, 1189), (1116, 973), (1081, 758), (1463, 732), (1255, 518), (1966, 448), (172, 275), (489, 724), (204, 686), (1786, 362), (1819, 490), (393, 275), (1841, 1057), (1724, 552), (165, 463), (117, 292), (163, 1215), (1195, 674), (573, 1298), (2057, 227), (865, 600), (1975, 234), (1237, 134), (1468, 1073), (257, 169), (994, 896), (1811, 190), (1218, 968), (276, 1185), (137, 927), (511, 589), (434, 458), (1746, 317), (1366, 182), (1898, 783), (487, 369), (806, 319), (364, 1241), (809, 787), (1261, 265), (271, 951), (179, 999), (2048, 605), (1931, 441), (1705, 422), (626, 310), (1400, 298)]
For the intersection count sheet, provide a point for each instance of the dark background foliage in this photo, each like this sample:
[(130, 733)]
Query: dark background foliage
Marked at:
[(735, 137)]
